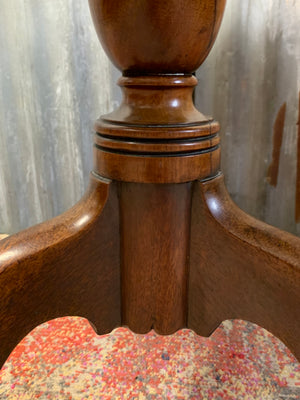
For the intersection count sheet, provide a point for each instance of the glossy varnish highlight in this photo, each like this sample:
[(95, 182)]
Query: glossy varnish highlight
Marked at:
[(155, 224), (156, 242)]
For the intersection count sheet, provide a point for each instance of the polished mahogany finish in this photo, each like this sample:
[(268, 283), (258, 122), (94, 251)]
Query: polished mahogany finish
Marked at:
[(162, 168), (243, 268), (155, 224), (156, 242), (157, 128), (157, 37), (66, 266)]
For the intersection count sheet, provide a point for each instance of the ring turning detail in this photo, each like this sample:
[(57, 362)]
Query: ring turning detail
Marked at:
[(156, 121), (156, 242)]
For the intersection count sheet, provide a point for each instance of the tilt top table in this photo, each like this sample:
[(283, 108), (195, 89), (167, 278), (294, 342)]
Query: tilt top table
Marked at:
[(156, 242)]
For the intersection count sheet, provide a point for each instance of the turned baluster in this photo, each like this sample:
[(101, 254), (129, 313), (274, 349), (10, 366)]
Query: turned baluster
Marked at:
[(156, 242)]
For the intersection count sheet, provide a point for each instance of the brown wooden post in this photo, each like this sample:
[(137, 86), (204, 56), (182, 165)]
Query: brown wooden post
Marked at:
[(156, 143), (156, 242)]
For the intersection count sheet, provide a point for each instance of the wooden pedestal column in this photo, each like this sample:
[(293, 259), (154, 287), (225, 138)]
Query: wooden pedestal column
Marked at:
[(156, 242)]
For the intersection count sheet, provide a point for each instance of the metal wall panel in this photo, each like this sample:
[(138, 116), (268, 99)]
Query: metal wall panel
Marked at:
[(54, 81), (251, 73)]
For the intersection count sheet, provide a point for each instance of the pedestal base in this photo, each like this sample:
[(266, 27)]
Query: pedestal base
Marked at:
[(151, 256)]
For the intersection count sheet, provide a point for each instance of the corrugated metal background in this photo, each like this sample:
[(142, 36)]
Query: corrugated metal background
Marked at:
[(251, 72), (55, 80)]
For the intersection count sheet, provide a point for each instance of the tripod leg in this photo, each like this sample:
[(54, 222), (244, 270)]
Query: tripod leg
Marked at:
[(66, 266), (241, 268)]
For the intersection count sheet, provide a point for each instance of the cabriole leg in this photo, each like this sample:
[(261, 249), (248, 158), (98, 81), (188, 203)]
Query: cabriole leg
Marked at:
[(241, 268), (66, 266)]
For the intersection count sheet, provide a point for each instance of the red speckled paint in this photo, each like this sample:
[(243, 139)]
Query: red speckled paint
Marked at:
[(65, 359)]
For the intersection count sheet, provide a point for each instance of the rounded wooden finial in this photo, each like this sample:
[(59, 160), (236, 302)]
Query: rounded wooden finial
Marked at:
[(157, 37)]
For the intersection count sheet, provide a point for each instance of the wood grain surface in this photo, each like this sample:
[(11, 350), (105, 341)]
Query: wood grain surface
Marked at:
[(157, 135), (156, 248), (154, 37), (66, 266), (155, 223), (241, 268)]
